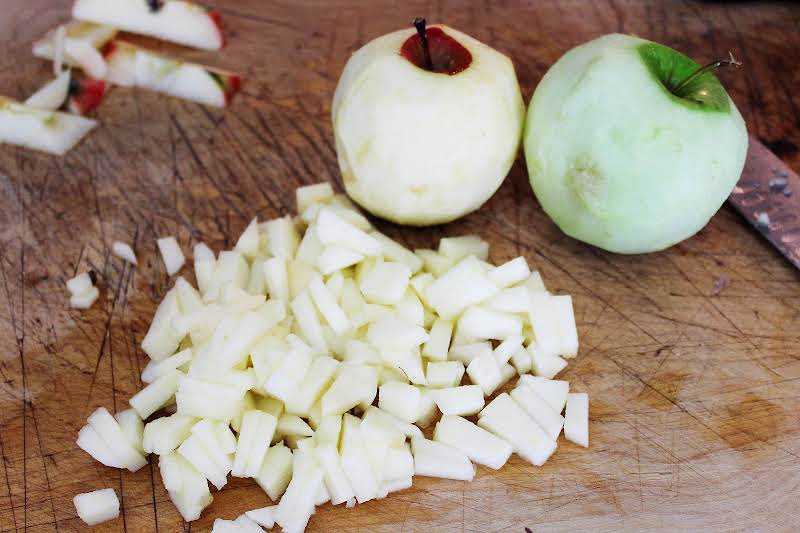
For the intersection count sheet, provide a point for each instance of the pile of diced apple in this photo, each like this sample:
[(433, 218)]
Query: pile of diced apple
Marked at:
[(310, 356)]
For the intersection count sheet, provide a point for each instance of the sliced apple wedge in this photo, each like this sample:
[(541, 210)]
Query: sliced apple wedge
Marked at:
[(133, 66), (48, 131), (172, 20), (82, 42), (53, 94)]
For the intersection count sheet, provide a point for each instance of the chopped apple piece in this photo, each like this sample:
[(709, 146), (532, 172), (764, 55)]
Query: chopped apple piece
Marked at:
[(544, 320), (132, 66), (308, 322), (110, 433), (165, 434), (82, 40), (48, 131), (332, 230), (97, 507), (204, 399), (333, 474), (133, 428), (276, 471), (484, 372), (562, 306), (435, 459), (463, 285), (506, 419), (171, 254), (546, 366), (510, 273), (156, 369), (187, 488), (264, 517), (576, 418), (521, 360), (506, 349), (354, 384), (457, 248), (328, 306), (356, 466), (320, 193), (256, 433), (176, 21), (385, 283), (481, 323), (443, 374), (554, 392), (401, 400), (394, 251), (53, 94), (466, 353), (539, 410), (438, 341), (463, 401), (478, 444), (335, 258), (153, 397)]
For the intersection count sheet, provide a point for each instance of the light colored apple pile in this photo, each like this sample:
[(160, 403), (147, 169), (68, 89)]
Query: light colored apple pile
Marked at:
[(89, 43), (272, 365)]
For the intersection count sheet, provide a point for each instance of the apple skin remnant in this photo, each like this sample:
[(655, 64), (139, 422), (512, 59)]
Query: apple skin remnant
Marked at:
[(419, 146), (619, 161)]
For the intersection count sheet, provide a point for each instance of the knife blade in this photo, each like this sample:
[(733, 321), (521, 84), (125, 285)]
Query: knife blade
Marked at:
[(768, 196)]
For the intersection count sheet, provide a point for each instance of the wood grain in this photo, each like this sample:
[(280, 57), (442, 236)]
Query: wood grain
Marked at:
[(691, 356)]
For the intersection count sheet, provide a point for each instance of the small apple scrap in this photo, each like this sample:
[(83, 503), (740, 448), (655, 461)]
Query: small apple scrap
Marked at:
[(82, 291), (176, 21), (133, 66), (81, 46), (48, 131), (310, 356)]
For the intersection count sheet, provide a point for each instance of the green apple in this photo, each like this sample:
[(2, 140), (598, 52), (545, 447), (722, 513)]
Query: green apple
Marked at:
[(630, 147), (426, 139)]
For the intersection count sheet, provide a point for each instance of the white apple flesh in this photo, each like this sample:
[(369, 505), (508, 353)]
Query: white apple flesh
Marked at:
[(47, 131), (412, 154), (175, 20)]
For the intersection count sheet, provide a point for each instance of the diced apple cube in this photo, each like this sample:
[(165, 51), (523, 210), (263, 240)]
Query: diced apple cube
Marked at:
[(442, 374), (333, 474), (401, 400), (522, 361), (316, 381), (310, 247), (321, 193), (97, 507), (255, 436), (439, 340), (546, 366), (394, 251), (171, 254), (333, 230), (385, 283), (434, 459), (408, 361), (308, 321), (392, 333), (565, 317), (420, 284), (554, 392), (506, 419), (277, 278), (467, 352), (544, 320), (249, 240), (282, 237), (361, 352), (153, 397), (264, 517), (457, 248), (539, 410), (510, 273), (506, 349), (434, 262), (132, 426), (481, 323), (463, 285), (203, 399), (510, 300), (478, 444), (356, 466), (165, 434), (354, 384), (328, 306), (187, 488), (576, 418), (284, 382), (484, 372), (534, 283), (297, 504), (276, 471), (335, 258), (462, 401), (161, 340)]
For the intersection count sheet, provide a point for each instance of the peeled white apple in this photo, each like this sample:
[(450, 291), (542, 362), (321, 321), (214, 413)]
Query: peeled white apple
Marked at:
[(419, 146), (97, 507), (621, 156)]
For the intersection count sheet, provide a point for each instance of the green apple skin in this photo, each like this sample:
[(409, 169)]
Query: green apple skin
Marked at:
[(618, 161), (418, 147)]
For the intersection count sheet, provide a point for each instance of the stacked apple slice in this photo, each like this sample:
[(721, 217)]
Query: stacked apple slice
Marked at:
[(311, 355)]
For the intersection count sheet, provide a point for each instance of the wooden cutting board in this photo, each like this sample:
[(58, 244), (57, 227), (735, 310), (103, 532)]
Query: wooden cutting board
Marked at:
[(691, 357)]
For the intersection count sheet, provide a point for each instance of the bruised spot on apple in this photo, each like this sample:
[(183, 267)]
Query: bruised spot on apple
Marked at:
[(435, 51)]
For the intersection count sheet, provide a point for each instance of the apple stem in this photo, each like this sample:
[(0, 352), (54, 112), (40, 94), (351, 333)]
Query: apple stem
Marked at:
[(730, 62), (419, 24)]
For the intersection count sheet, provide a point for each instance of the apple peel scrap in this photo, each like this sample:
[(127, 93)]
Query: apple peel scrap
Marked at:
[(314, 376)]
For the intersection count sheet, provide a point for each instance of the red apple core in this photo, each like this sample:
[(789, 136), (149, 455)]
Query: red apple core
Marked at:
[(447, 55)]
